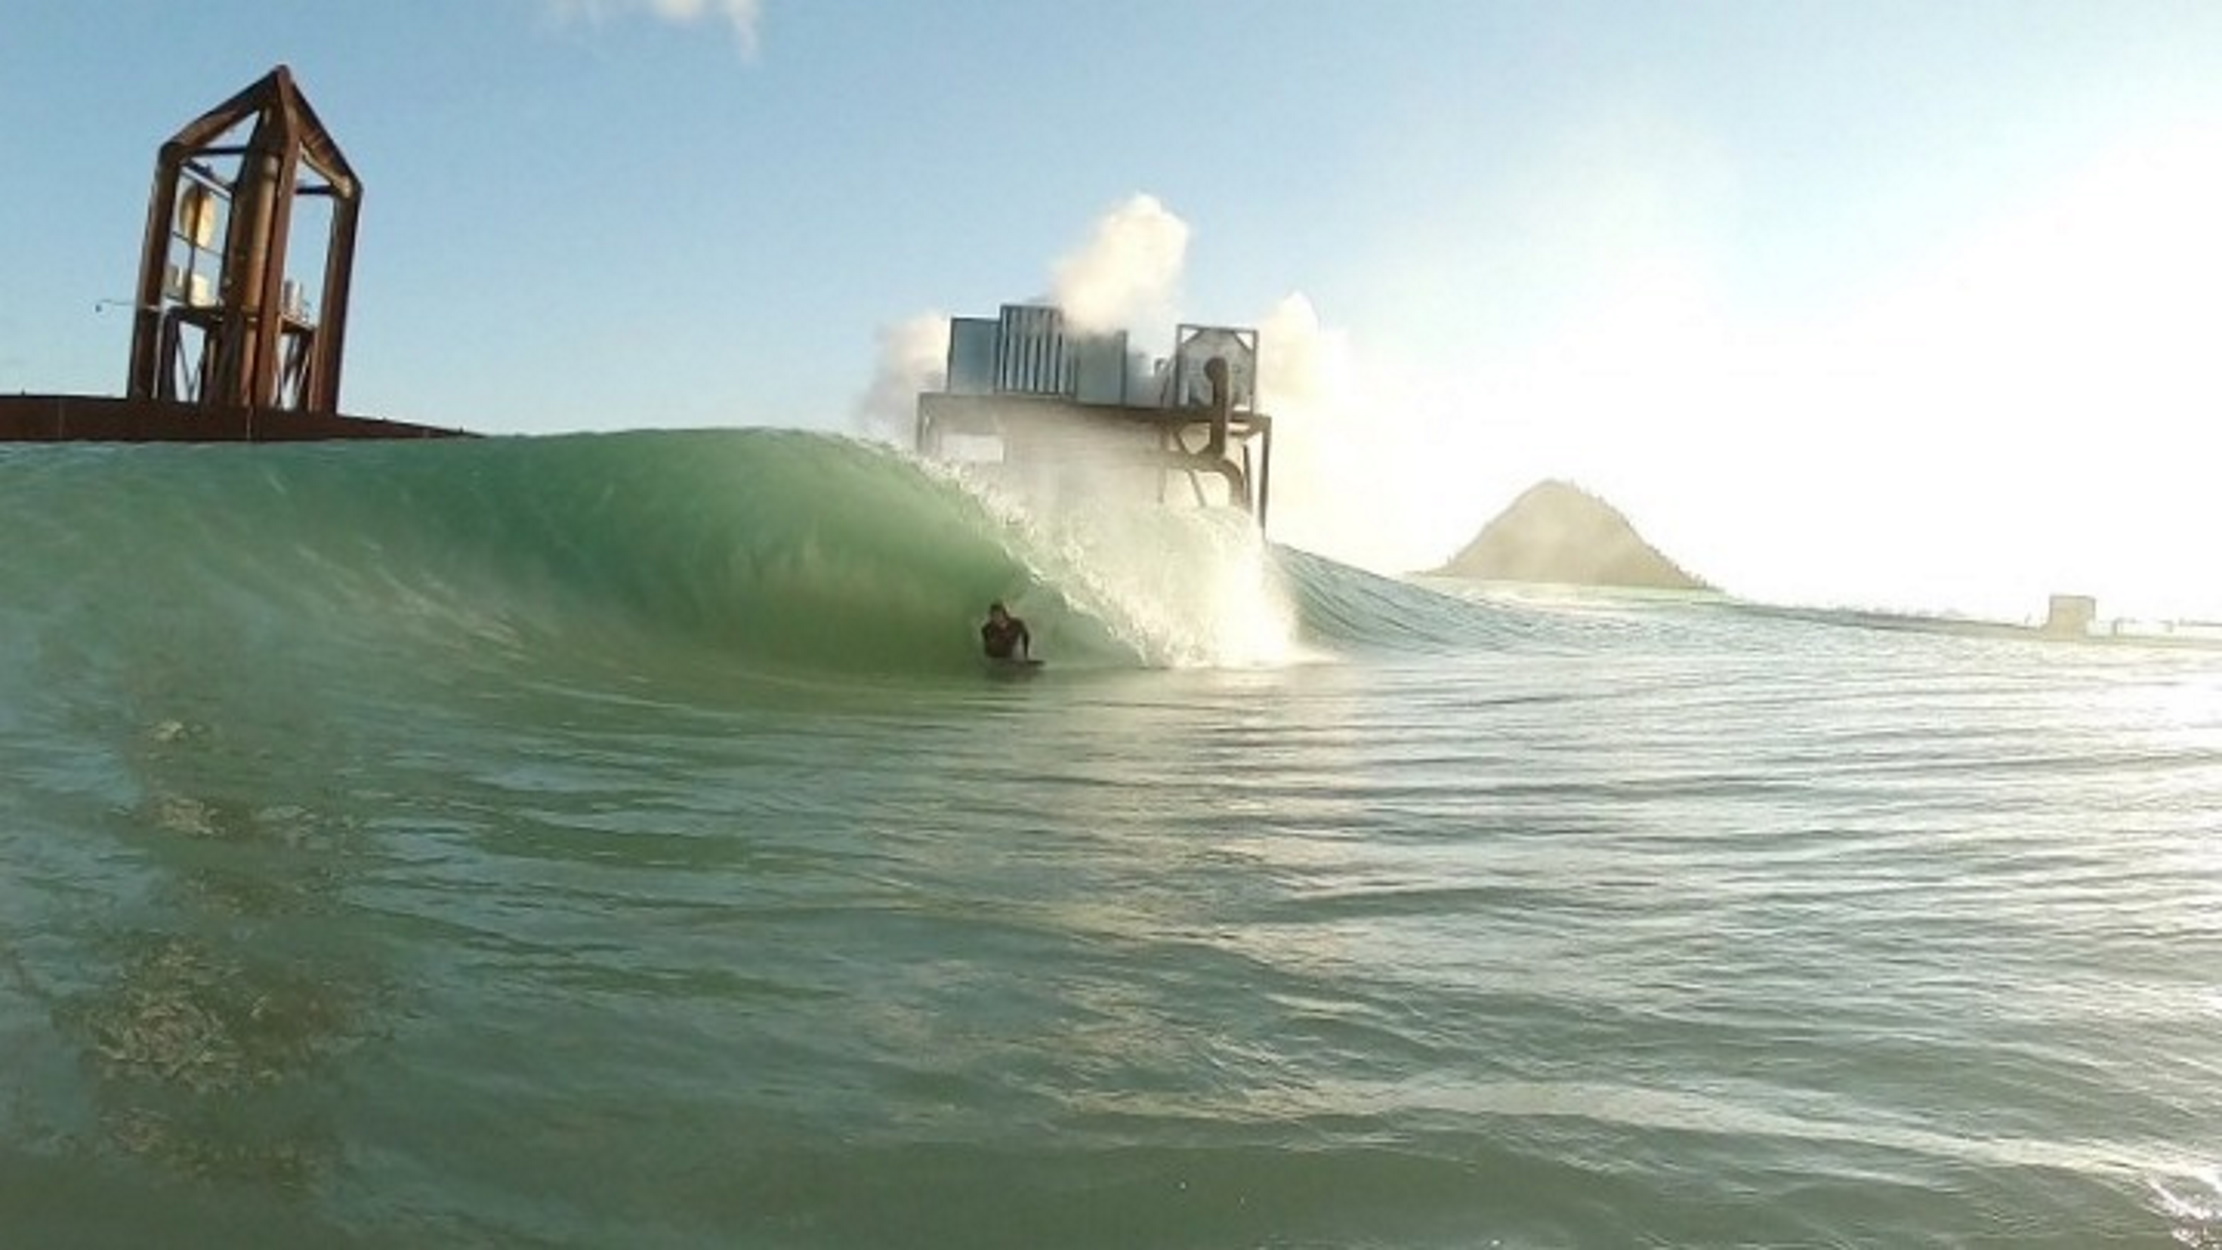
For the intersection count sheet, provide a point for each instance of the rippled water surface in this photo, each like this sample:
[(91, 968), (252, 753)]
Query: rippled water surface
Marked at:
[(1573, 923)]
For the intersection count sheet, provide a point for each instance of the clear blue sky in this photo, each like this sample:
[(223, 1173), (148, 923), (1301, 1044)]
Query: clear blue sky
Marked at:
[(1703, 235)]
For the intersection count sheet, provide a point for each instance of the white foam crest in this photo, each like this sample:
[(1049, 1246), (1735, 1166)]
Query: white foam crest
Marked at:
[(1179, 587)]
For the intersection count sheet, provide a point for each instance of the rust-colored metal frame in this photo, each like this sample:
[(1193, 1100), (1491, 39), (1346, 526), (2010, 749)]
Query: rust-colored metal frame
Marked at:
[(257, 356)]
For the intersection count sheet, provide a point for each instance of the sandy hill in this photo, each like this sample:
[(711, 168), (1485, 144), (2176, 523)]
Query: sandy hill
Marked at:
[(1558, 532)]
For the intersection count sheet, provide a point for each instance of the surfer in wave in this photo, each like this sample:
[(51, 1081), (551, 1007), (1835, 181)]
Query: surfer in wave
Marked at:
[(1004, 636)]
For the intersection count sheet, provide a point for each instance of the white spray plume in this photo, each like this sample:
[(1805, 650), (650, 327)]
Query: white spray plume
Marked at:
[(1128, 272), (913, 357), (1305, 383), (743, 16), (1362, 472)]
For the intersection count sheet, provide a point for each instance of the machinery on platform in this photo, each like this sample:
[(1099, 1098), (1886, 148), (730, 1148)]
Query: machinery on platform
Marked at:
[(1028, 397)]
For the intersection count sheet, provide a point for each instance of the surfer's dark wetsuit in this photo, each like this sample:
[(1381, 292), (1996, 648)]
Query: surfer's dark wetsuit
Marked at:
[(1004, 637)]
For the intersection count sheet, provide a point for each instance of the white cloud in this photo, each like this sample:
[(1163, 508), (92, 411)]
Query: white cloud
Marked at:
[(744, 16)]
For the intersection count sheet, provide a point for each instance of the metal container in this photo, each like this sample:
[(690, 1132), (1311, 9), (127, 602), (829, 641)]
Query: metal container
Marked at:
[(1031, 356)]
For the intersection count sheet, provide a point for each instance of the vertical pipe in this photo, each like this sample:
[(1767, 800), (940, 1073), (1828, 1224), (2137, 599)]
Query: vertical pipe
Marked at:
[(246, 264), (269, 354), (1222, 403)]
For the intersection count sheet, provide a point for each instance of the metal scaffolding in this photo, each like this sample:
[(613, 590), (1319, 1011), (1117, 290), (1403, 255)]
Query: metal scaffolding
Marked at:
[(220, 321)]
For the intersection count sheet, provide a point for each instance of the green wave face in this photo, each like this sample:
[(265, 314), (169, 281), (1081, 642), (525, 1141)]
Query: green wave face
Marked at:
[(776, 551)]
